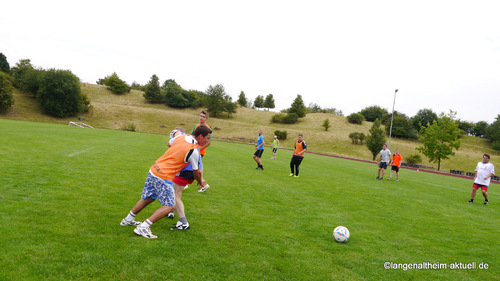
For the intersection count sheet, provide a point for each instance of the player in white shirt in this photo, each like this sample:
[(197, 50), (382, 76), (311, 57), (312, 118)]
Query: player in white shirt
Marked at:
[(484, 171), (385, 158)]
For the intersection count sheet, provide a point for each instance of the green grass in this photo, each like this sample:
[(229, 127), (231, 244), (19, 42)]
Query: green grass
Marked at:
[(64, 190)]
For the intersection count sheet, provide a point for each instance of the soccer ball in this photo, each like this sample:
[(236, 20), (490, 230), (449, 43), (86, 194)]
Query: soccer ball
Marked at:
[(341, 234)]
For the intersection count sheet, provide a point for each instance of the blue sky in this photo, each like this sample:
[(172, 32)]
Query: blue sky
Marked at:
[(347, 55)]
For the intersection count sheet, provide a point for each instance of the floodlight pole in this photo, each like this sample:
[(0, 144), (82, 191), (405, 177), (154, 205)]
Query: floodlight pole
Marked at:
[(392, 119)]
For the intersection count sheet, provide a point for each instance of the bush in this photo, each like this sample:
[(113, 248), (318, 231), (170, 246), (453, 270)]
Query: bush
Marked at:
[(354, 136), (281, 134), (277, 118), (496, 145), (414, 159), (129, 127), (116, 85), (60, 93), (290, 118), (356, 118), (6, 97)]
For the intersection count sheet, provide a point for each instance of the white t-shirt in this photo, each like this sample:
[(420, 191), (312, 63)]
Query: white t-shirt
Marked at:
[(386, 155), (482, 171)]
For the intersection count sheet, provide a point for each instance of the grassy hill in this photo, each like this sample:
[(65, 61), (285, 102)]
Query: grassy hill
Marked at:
[(112, 111)]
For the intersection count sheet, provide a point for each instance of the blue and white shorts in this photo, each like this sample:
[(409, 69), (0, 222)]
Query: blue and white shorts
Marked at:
[(156, 188)]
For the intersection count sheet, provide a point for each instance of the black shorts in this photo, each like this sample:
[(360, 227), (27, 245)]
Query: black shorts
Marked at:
[(383, 165), (395, 168), (258, 153), (275, 149)]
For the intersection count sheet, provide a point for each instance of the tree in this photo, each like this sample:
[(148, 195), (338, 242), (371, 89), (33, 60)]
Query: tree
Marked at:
[(242, 100), (493, 133), (116, 85), (229, 106), (375, 139), (423, 118), (175, 96), (60, 93), (6, 97), (371, 113), (215, 101), (440, 138), (354, 136), (259, 102), (362, 138), (152, 91), (401, 127), (479, 129), (465, 126), (298, 107), (326, 124), (167, 82), (269, 102), (27, 77), (4, 64)]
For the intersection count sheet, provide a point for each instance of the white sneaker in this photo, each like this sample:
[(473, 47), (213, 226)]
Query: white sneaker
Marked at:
[(170, 215), (132, 222), (186, 187), (203, 189), (180, 226), (144, 232)]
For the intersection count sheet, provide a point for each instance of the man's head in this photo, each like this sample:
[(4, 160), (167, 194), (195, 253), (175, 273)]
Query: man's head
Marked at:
[(177, 132), (260, 132), (203, 116), (300, 137), (275, 137), (384, 146), (397, 151), (202, 134), (486, 158)]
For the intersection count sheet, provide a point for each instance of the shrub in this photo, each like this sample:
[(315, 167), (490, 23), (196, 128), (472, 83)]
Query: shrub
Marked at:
[(116, 85), (60, 93), (354, 136), (277, 118), (326, 124), (355, 118), (6, 97), (290, 118), (129, 127), (281, 134), (496, 145), (414, 159)]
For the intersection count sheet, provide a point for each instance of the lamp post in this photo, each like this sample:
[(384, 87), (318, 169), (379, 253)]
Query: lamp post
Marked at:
[(392, 118)]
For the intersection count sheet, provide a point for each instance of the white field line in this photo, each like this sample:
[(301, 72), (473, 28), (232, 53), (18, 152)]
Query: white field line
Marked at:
[(82, 151)]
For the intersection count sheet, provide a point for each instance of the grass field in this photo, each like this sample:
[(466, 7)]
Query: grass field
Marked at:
[(64, 191)]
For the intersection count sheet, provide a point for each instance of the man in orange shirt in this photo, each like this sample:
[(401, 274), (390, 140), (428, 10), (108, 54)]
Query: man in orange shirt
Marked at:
[(396, 163), (298, 155), (184, 150)]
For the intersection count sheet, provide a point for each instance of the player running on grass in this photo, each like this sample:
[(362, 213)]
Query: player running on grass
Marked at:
[(484, 171), (396, 164), (298, 155), (159, 183)]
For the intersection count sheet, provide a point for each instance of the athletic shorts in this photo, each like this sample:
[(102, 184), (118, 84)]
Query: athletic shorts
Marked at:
[(259, 152), (482, 186), (275, 149), (383, 165), (395, 168), (183, 181), (156, 188)]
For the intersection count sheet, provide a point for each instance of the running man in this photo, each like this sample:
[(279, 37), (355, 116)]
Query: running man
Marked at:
[(484, 171), (385, 155), (203, 122), (259, 150), (159, 184), (298, 155), (276, 143), (396, 164)]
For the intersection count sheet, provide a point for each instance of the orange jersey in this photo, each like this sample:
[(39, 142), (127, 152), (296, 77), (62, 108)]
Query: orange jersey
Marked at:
[(184, 150), (202, 152), (396, 160), (299, 146)]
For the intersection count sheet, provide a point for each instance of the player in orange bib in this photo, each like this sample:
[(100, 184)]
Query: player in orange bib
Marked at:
[(298, 155), (203, 122), (396, 164), (184, 150)]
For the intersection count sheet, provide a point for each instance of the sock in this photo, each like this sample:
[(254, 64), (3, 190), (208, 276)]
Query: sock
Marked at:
[(130, 217), (146, 223), (183, 220)]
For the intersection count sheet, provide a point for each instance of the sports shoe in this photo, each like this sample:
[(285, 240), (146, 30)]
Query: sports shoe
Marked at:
[(381, 179), (389, 179), (186, 187), (295, 176), (290, 175), (486, 202), (397, 179), (170, 215), (203, 189), (377, 178), (261, 168), (144, 232), (471, 201), (132, 222), (180, 226)]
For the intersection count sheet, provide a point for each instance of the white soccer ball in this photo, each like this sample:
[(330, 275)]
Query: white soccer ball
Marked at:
[(341, 234)]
